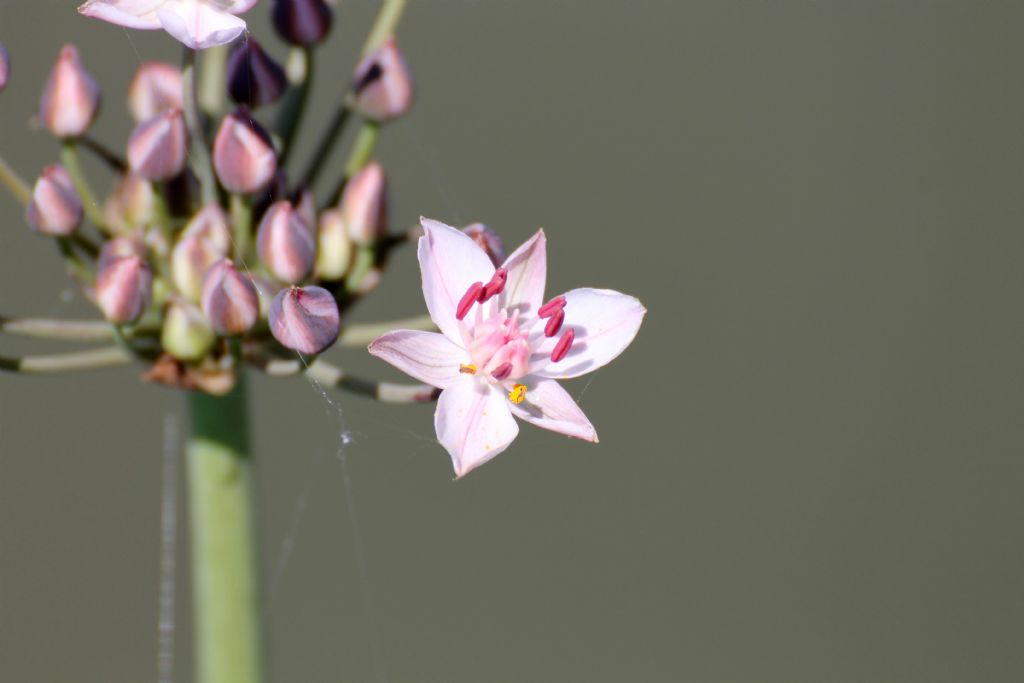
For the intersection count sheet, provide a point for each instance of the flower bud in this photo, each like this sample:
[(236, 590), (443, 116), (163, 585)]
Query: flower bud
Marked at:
[(304, 319), (243, 154), (71, 98), (120, 247), (123, 289), (186, 334), (254, 78), (229, 299), (364, 204), (5, 67), (301, 22), (285, 243), (155, 88), (305, 205), (54, 208), (334, 248), (131, 204), (158, 146), (383, 83), (488, 240), (204, 241)]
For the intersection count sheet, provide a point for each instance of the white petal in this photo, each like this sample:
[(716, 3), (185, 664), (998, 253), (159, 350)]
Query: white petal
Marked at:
[(549, 406), (129, 13), (473, 422), (428, 356), (239, 6), (199, 25), (450, 261), (605, 322), (527, 271)]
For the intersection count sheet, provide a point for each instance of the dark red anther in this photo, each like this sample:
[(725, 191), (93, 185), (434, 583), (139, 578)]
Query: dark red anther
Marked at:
[(502, 371), (468, 299), (548, 309), (554, 323), (561, 349), (495, 286)]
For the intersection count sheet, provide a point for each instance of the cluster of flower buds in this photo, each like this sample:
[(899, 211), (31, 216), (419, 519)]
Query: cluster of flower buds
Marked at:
[(195, 264)]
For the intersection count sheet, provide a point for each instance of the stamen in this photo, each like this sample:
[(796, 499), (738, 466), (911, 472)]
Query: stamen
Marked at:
[(562, 347), (554, 323), (518, 394), (495, 286), (468, 299), (549, 309), (467, 369), (502, 371)]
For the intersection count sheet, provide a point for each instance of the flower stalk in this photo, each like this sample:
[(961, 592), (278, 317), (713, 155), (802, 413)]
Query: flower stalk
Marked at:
[(228, 638), (70, 158), (200, 154)]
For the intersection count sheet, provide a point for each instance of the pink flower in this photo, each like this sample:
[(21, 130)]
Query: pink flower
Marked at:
[(501, 347), (197, 24)]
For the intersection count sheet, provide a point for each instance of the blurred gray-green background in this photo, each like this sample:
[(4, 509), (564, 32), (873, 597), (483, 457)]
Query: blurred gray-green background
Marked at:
[(811, 458)]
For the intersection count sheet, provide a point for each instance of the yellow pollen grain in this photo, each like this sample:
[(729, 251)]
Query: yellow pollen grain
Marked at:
[(518, 394), (467, 369)]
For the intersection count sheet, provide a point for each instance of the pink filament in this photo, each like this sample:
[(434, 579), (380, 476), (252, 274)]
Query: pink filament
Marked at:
[(562, 347), (468, 299)]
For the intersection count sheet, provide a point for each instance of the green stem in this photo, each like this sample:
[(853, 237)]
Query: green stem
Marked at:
[(201, 164), (105, 155), (384, 27), (47, 328), (241, 224), (211, 79), (326, 144), (18, 187), (362, 334), (360, 155), (73, 262), (226, 603), (66, 362), (69, 157), (294, 106)]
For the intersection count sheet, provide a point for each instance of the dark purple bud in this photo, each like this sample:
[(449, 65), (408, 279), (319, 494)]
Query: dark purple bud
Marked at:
[(123, 288), (230, 301), (71, 97), (243, 154), (54, 208), (301, 22), (157, 149), (304, 319), (285, 243), (5, 67), (254, 78), (383, 83), (488, 240)]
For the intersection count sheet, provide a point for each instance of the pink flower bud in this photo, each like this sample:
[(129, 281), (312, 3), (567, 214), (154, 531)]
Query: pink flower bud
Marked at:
[(243, 154), (334, 247), (364, 204), (186, 334), (71, 98), (383, 83), (488, 240), (157, 148), (120, 247), (54, 208), (123, 288), (285, 243), (301, 22), (132, 204), (229, 298), (304, 319), (5, 67), (254, 78), (204, 241), (155, 88)]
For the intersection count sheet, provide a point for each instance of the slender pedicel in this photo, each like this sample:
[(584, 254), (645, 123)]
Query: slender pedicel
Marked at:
[(468, 299), (562, 347)]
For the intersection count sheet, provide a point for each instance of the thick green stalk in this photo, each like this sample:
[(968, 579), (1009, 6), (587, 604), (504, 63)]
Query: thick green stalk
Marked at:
[(226, 602)]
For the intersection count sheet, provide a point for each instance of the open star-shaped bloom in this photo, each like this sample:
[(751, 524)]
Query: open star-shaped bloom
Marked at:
[(198, 24), (501, 347)]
